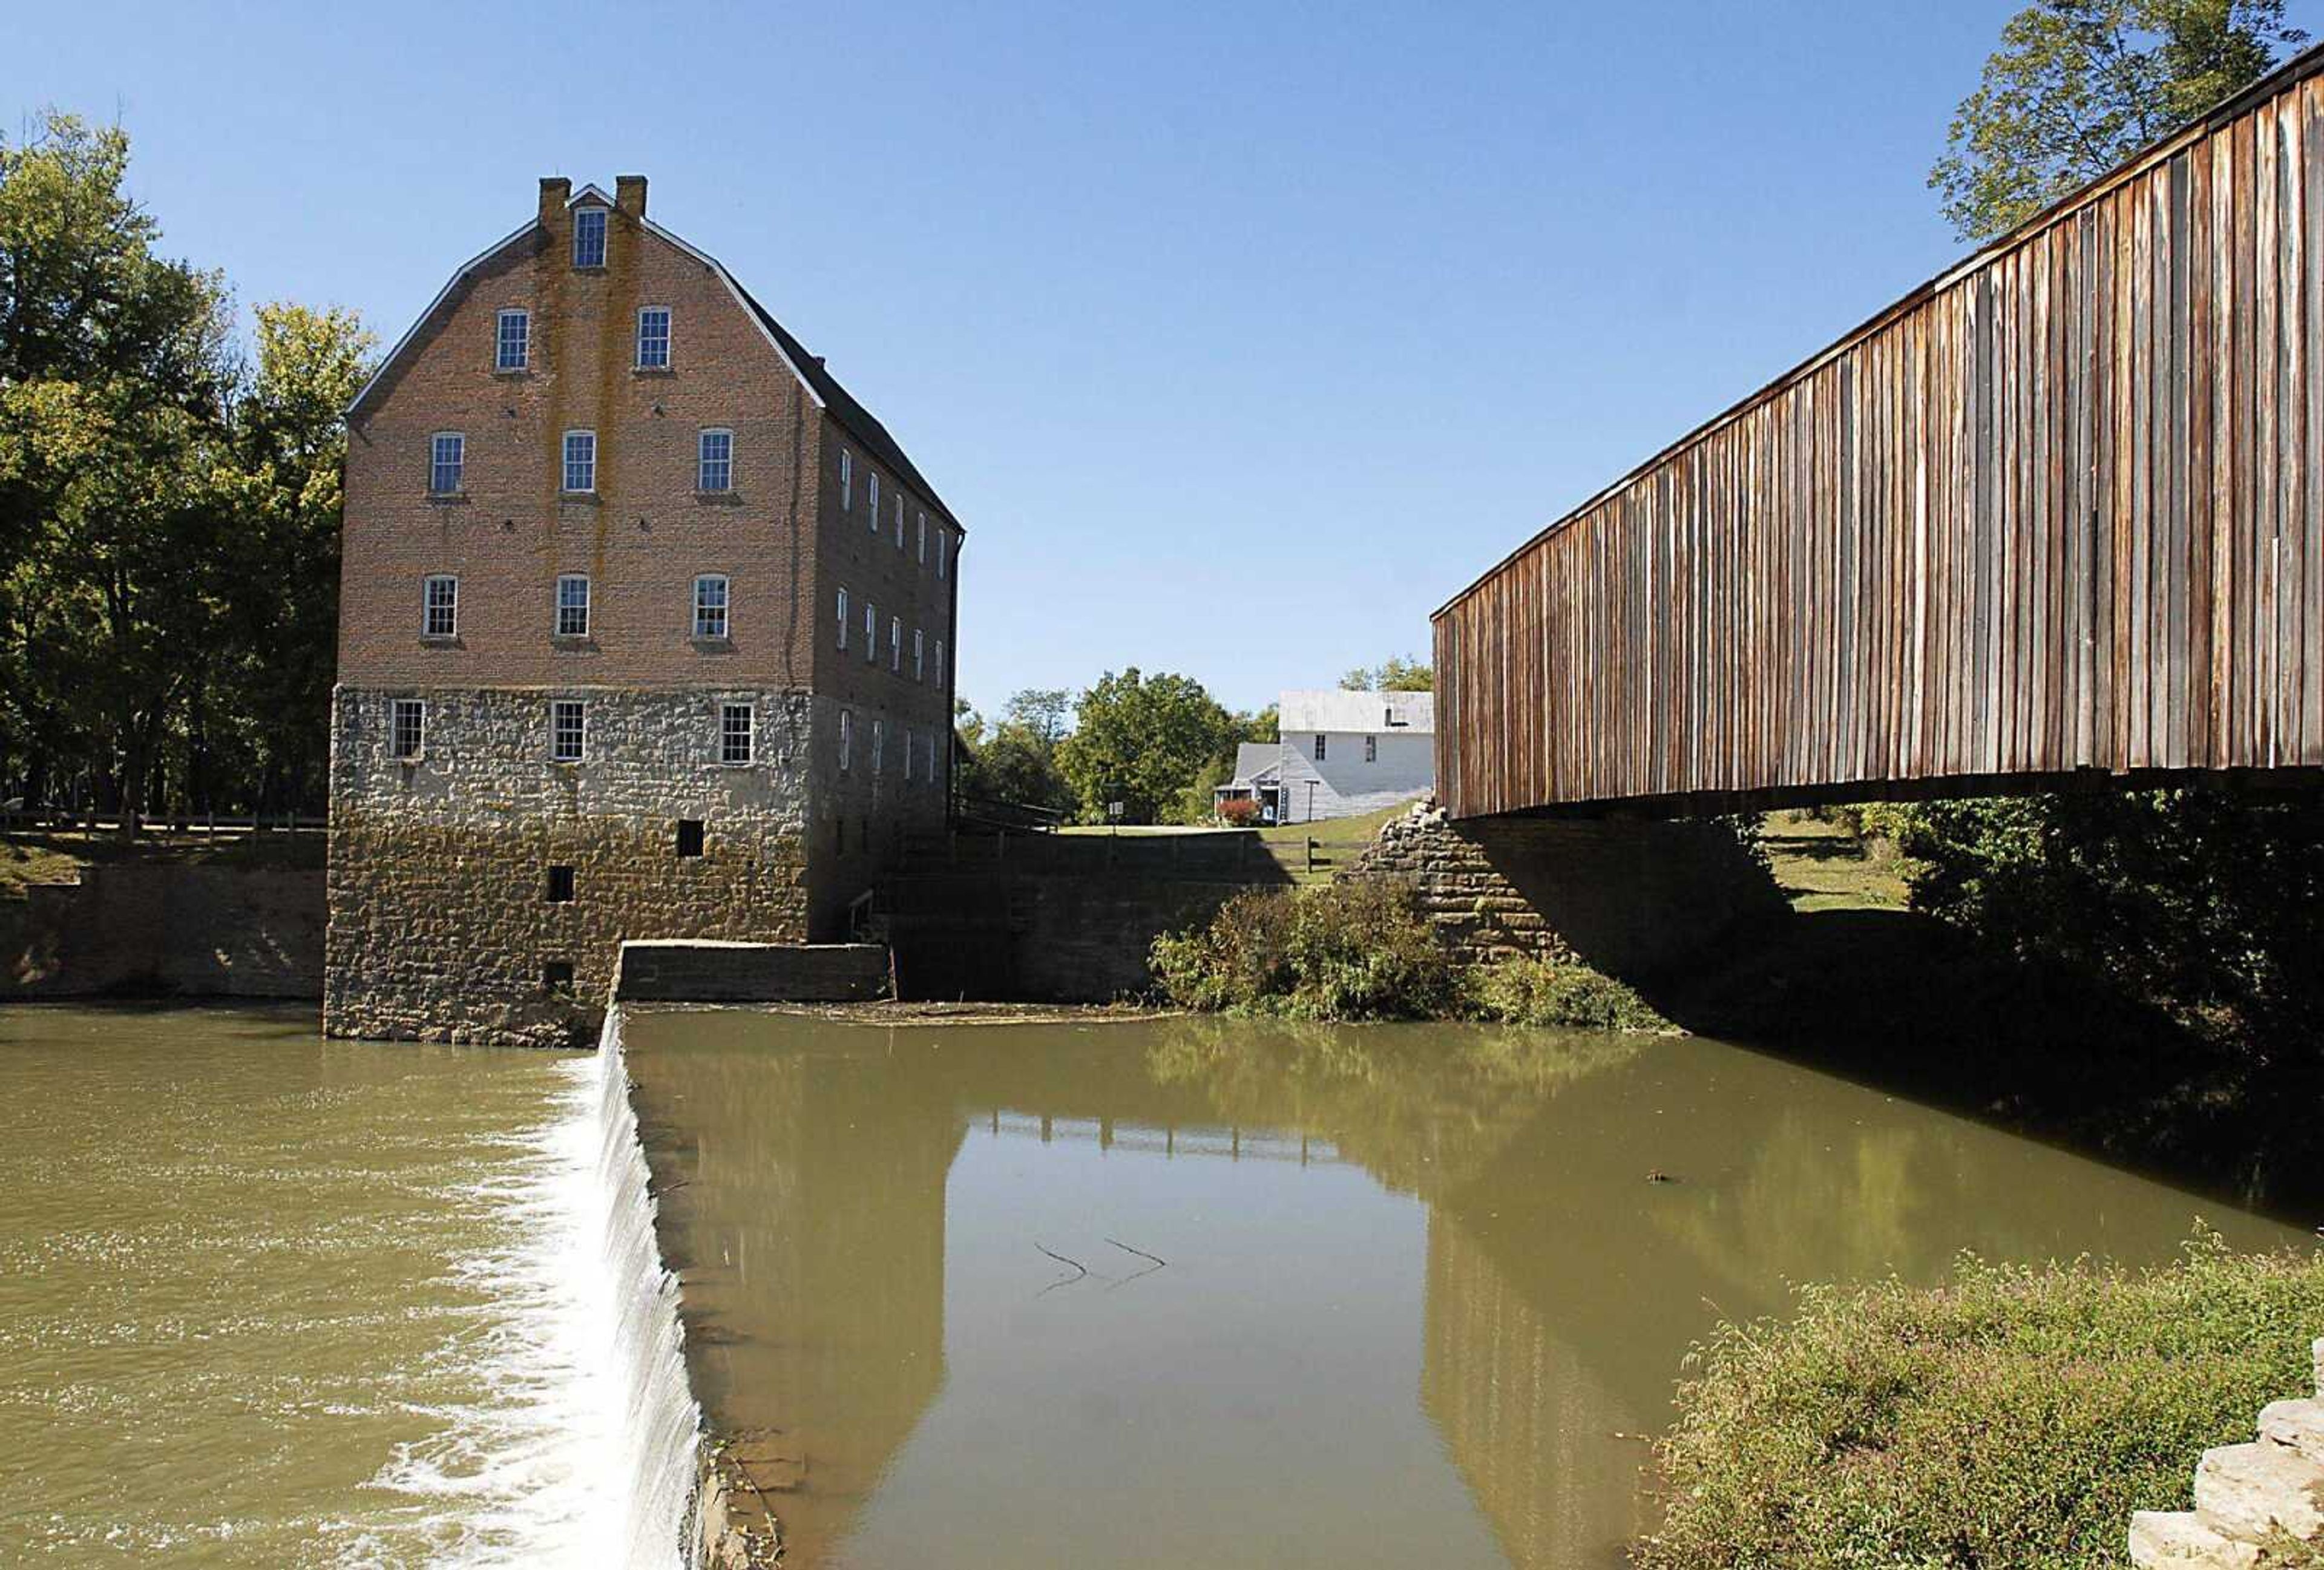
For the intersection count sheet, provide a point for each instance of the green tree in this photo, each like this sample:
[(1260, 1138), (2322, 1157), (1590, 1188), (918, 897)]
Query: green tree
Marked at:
[(1142, 740), (282, 557), (1016, 759), (1392, 675), (2078, 86), (114, 374)]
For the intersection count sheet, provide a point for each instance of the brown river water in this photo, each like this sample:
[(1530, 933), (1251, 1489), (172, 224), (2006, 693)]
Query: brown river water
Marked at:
[(1229, 1294), (1176, 1292)]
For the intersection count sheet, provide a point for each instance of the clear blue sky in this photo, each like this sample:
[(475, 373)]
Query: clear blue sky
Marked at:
[(1240, 336)]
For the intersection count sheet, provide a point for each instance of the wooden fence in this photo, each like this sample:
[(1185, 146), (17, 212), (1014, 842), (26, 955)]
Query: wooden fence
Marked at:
[(2057, 510)]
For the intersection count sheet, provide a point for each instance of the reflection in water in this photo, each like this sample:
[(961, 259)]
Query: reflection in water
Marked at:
[(1418, 1295)]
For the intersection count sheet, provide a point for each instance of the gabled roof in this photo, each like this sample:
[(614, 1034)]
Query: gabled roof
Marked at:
[(1338, 710), (820, 383), (1255, 760)]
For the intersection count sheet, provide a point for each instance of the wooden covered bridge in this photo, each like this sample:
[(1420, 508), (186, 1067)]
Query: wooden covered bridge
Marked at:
[(2056, 513)]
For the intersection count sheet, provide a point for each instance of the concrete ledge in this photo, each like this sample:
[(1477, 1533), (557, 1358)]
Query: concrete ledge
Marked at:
[(702, 971)]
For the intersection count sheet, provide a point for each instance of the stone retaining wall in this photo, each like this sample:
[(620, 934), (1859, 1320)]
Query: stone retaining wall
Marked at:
[(686, 971), (1633, 898), (2253, 1502), (183, 928)]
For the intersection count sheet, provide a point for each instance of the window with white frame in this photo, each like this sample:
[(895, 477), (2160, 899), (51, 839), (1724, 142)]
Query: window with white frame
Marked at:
[(944, 548), (710, 605), (408, 730), (878, 745), (908, 749), (580, 460), (573, 606), (940, 664), (896, 645), (589, 238), (871, 490), (843, 617), (653, 338), (734, 721), (900, 520), (846, 740), (715, 468), (447, 459), (846, 481), (1320, 748), (924, 540), (568, 730), (919, 656), (870, 632), (1371, 749), (512, 341), (439, 601)]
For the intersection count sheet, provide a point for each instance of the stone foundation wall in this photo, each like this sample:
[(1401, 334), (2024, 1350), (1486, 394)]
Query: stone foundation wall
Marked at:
[(440, 926), (1634, 899), (687, 971), (2254, 1504), (167, 927)]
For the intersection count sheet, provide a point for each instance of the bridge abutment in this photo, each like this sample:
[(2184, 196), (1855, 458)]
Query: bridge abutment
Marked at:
[(1637, 899)]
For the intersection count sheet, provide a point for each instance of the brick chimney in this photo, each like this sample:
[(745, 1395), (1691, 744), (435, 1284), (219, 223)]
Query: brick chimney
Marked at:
[(554, 193), (630, 194)]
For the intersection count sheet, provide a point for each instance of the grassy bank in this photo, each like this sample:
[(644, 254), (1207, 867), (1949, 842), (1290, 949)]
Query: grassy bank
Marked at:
[(1362, 950), (2013, 1418)]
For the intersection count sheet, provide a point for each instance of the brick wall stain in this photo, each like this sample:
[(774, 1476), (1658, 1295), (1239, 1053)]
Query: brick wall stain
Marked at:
[(437, 924)]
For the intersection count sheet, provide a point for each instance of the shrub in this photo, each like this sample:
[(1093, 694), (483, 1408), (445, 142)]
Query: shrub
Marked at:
[(2014, 1417), (1352, 950), (1562, 993), (1239, 811)]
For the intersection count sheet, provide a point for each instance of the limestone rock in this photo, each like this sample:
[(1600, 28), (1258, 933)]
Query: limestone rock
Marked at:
[(2177, 1540), (2296, 1426), (2247, 1491)]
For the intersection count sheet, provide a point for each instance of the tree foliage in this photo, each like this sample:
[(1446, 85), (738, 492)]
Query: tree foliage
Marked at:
[(2206, 903), (1016, 759), (169, 515), (2078, 86), (1394, 674), (1142, 740)]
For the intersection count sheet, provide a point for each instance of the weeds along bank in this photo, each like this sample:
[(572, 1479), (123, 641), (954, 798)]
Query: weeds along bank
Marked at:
[(1362, 949), (2013, 1418)]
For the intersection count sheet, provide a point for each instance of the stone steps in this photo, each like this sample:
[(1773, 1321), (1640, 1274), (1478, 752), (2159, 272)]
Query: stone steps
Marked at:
[(2244, 1494)]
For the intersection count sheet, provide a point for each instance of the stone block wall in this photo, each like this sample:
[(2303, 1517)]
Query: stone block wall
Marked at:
[(1635, 899), (2254, 1504), (440, 923), (686, 971), (174, 928)]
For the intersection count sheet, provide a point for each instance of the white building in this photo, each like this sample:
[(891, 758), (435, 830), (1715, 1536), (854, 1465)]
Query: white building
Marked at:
[(1341, 754)]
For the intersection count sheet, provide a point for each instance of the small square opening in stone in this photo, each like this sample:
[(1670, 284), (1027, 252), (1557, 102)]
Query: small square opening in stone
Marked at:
[(689, 836), (556, 978), (560, 885)]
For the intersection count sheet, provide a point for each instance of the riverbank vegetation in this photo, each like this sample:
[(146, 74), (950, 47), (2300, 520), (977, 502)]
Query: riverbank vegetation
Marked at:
[(2013, 1417), (169, 506), (1362, 949)]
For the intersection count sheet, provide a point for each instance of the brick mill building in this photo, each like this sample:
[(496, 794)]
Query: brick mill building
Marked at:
[(646, 631)]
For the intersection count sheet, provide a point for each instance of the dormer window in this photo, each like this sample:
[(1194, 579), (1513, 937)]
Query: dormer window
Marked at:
[(589, 238), (653, 338), (513, 344)]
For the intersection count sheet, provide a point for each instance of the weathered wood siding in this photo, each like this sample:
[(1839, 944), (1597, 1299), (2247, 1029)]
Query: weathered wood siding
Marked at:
[(2057, 510)]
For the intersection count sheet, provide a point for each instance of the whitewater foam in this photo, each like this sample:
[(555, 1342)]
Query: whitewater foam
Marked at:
[(585, 1451)]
